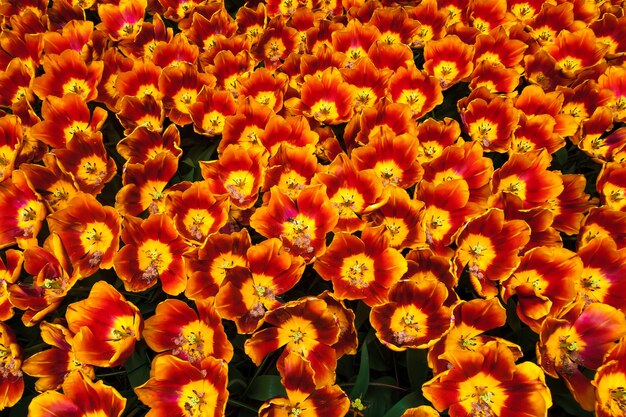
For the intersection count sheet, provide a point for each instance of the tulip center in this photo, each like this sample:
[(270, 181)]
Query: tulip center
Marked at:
[(213, 123), (96, 239), (296, 411), (190, 343), (616, 195), (297, 335), (8, 363), (514, 185), (569, 356), (128, 29), (195, 403), (467, 343), (122, 333), (359, 271), (154, 258), (275, 49), (618, 396), (393, 228), (415, 99), (324, 110), (482, 405), (363, 97), (591, 283), (26, 216), (445, 72), (570, 63), (298, 231), (76, 86), (239, 185), (388, 171)]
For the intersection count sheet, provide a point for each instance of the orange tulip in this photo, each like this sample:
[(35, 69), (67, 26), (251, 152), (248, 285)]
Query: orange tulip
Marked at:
[(105, 325), (153, 251)]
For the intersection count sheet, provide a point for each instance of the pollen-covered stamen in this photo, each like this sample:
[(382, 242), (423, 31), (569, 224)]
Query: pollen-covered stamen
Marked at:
[(323, 110), (190, 346), (93, 171), (347, 202), (258, 310), (296, 411), (157, 196), (388, 176), (410, 328), (591, 283), (195, 404), (393, 228), (152, 271), (436, 222), (293, 184), (122, 333), (264, 292), (616, 195), (78, 87), (60, 194), (467, 343), (618, 397), (215, 123), (514, 187), (482, 405), (523, 146), (128, 28), (8, 363), (356, 274), (477, 251), (274, 51), (300, 236), (570, 358), (570, 63), (389, 39), (363, 97), (57, 284), (297, 335), (235, 189), (95, 259), (402, 337), (28, 214), (252, 136), (354, 54), (186, 98), (476, 271), (197, 221)]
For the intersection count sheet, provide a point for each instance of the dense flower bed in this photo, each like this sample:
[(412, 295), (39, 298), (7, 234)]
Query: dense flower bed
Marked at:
[(312, 208)]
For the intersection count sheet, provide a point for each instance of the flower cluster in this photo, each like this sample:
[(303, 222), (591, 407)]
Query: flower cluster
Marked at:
[(257, 174)]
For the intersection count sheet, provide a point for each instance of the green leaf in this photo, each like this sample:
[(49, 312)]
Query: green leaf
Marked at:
[(138, 366), (560, 157), (362, 314), (363, 378), (417, 367), (379, 397), (411, 400), (265, 387)]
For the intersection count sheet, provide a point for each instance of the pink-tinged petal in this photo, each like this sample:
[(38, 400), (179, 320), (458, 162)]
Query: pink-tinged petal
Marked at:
[(53, 404), (599, 326), (93, 398)]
